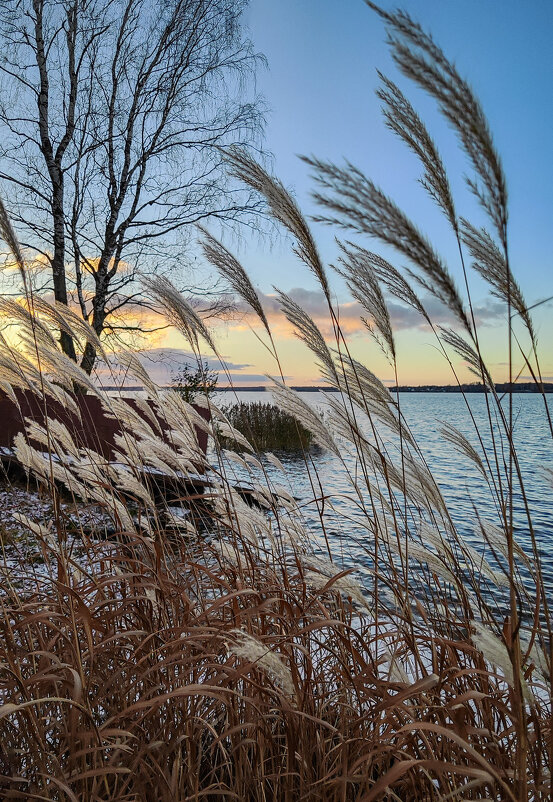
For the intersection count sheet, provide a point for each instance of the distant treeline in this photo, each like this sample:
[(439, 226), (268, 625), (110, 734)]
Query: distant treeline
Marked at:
[(504, 387)]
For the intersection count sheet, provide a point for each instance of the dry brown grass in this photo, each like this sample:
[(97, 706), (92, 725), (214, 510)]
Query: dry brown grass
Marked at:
[(123, 683), (125, 664)]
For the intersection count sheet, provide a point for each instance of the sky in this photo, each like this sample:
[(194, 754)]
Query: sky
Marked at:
[(320, 89)]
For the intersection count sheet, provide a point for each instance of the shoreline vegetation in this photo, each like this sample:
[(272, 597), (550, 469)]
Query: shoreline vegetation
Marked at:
[(266, 426), (195, 646)]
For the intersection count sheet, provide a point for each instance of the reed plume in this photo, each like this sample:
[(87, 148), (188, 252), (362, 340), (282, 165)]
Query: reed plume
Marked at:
[(247, 647), (421, 60), (403, 120), (8, 235), (292, 403), (229, 267), (283, 208), (352, 201), (307, 331), (177, 309), (397, 286), (491, 264), (356, 269)]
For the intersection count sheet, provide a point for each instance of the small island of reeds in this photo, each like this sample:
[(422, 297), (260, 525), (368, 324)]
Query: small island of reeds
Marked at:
[(266, 426)]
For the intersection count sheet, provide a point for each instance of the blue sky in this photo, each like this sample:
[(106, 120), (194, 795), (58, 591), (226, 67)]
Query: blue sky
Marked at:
[(320, 88)]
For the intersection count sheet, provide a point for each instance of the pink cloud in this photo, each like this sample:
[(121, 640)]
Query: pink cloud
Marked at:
[(350, 312)]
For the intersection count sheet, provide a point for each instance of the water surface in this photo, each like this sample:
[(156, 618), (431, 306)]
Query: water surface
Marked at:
[(458, 478)]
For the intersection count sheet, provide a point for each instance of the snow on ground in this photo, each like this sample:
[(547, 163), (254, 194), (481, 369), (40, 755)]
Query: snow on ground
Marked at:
[(16, 500)]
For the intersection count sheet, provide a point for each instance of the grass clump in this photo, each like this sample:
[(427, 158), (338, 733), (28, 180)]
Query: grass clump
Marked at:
[(266, 426)]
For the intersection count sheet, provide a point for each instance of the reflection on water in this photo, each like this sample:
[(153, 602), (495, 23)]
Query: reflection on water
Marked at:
[(459, 480)]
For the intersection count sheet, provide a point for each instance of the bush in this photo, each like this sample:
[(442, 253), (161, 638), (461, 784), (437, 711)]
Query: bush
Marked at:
[(191, 381), (267, 427)]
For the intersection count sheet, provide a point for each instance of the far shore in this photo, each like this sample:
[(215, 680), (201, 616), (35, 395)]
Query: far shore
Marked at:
[(505, 387)]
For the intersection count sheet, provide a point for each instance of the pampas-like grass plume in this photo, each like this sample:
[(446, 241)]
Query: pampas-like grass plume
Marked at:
[(327, 575), (495, 652), (354, 202), (42, 532), (246, 647), (292, 403), (274, 460), (422, 61), (30, 326), (493, 267), (496, 538), (229, 267), (8, 235), (178, 311), (395, 284), (363, 284), (65, 371), (283, 208), (68, 322), (452, 435), (225, 429), (308, 332), (134, 366), (404, 121), (474, 361)]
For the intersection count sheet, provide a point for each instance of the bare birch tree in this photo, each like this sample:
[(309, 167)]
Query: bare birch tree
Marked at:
[(113, 114)]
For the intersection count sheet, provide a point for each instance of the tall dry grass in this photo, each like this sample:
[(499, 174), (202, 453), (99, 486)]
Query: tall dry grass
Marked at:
[(219, 656)]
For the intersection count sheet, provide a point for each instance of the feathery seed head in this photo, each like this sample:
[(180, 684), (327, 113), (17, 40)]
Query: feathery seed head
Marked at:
[(247, 647)]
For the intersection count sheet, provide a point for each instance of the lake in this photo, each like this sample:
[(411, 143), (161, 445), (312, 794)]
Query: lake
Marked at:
[(460, 482)]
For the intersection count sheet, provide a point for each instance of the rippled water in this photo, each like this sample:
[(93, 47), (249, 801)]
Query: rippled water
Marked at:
[(460, 482)]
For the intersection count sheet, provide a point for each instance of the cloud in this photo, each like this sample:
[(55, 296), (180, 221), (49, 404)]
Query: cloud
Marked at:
[(490, 312), (177, 357), (485, 314), (237, 379), (162, 364), (350, 312), (311, 301)]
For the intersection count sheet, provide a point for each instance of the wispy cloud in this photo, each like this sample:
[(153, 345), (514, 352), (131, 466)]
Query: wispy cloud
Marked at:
[(163, 364), (350, 313)]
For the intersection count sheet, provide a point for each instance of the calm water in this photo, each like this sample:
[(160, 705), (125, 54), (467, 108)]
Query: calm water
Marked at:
[(460, 482)]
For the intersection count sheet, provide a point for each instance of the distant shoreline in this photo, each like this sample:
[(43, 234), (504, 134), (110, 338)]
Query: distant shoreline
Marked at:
[(505, 387), (527, 387)]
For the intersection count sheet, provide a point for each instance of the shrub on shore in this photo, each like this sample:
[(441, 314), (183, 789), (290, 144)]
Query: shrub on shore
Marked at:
[(192, 381), (266, 426)]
